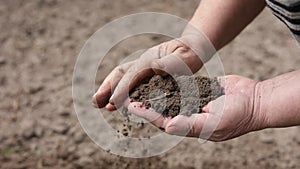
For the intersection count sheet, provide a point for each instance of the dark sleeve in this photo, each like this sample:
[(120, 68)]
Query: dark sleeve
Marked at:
[(287, 11)]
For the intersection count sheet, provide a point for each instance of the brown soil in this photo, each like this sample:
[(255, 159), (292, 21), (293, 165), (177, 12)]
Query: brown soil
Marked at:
[(171, 96)]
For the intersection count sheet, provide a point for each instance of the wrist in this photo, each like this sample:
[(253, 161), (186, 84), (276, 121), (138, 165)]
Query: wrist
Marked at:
[(260, 113), (279, 98)]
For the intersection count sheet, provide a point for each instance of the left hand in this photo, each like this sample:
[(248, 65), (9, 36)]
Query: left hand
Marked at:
[(165, 57)]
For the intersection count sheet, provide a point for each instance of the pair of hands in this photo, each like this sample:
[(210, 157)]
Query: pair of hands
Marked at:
[(240, 113)]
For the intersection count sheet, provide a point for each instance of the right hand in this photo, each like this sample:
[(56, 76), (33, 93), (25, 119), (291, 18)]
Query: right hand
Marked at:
[(158, 59), (234, 115)]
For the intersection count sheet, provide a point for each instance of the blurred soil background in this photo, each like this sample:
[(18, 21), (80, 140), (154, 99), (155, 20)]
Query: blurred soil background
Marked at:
[(39, 43)]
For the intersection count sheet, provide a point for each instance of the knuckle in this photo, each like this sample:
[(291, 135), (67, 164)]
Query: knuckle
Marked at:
[(183, 49)]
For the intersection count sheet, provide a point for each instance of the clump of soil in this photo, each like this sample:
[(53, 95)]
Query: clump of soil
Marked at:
[(183, 95)]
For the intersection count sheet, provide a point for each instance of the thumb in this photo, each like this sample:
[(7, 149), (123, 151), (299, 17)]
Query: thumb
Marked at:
[(186, 125)]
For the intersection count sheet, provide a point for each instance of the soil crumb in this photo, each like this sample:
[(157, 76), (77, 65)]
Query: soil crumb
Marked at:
[(183, 95)]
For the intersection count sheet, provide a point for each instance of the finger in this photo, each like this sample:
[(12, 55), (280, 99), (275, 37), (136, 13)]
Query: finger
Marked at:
[(198, 125), (186, 125), (168, 47), (129, 80), (101, 97), (217, 106), (205, 109), (137, 72), (150, 115), (182, 61), (111, 107)]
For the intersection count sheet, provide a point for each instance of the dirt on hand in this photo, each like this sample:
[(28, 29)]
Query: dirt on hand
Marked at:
[(179, 95)]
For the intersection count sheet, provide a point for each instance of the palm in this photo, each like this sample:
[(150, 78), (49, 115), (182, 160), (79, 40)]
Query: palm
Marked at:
[(236, 118)]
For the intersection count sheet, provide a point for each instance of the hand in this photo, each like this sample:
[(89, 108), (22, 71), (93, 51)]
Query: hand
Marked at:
[(239, 114), (160, 59)]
